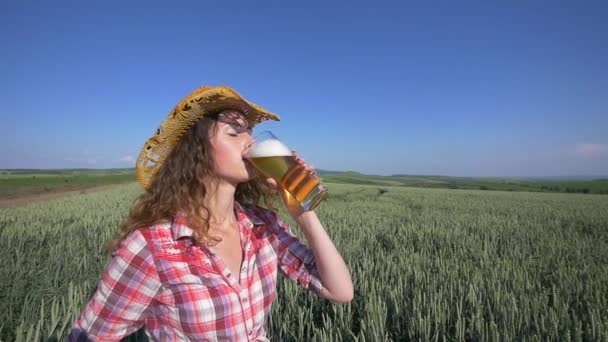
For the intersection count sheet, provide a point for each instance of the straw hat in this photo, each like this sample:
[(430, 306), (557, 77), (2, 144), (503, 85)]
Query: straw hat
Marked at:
[(201, 102)]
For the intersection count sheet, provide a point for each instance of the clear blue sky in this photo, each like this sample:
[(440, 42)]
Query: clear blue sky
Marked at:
[(484, 88)]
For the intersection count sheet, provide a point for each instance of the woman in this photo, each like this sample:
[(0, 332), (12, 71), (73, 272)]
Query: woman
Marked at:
[(197, 258)]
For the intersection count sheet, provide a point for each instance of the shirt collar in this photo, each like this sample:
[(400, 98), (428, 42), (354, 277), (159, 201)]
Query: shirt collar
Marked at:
[(247, 218), (179, 226)]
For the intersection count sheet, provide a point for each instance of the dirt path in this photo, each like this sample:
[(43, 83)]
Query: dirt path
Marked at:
[(25, 200)]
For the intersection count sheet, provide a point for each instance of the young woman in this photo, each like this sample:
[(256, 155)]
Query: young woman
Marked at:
[(198, 256)]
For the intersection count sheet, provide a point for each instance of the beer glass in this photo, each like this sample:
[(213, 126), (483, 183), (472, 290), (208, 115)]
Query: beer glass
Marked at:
[(274, 159)]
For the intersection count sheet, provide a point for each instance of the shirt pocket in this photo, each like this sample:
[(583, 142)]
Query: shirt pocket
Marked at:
[(189, 293), (186, 269)]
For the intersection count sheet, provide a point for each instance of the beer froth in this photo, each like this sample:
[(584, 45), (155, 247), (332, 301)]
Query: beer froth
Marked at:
[(269, 148)]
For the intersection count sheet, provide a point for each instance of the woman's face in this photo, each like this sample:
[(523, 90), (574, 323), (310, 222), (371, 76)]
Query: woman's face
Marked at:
[(231, 139)]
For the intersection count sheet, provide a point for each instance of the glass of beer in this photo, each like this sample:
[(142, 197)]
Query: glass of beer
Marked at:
[(274, 159)]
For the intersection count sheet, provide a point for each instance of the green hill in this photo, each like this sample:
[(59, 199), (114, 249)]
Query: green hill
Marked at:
[(597, 186)]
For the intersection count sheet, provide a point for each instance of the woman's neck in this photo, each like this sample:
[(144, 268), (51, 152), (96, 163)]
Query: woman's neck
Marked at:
[(220, 203)]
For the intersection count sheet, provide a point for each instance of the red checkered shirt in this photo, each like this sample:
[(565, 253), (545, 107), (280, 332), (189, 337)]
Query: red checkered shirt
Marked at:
[(179, 291)]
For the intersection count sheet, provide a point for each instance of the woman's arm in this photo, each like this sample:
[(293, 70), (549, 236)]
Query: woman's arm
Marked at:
[(124, 293), (334, 274)]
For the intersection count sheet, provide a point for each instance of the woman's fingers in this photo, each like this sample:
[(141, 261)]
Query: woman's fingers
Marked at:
[(309, 168), (272, 183), (299, 160)]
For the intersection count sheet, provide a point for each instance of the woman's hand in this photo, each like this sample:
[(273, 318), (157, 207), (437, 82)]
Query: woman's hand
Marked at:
[(292, 205)]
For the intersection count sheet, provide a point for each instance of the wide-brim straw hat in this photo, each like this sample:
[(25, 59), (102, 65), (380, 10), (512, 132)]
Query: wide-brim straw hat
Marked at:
[(202, 102)]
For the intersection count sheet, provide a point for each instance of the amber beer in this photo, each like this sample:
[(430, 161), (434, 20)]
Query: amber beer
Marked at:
[(274, 159)]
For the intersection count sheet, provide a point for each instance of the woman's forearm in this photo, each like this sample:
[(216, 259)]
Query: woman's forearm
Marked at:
[(334, 274)]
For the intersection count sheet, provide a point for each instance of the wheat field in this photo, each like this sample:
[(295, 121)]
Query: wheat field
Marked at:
[(427, 264)]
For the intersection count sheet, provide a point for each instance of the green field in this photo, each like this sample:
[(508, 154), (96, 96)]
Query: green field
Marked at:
[(18, 183), (427, 264), (594, 186)]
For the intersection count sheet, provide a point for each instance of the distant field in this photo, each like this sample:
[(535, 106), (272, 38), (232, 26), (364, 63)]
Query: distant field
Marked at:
[(14, 184), (20, 183), (599, 186)]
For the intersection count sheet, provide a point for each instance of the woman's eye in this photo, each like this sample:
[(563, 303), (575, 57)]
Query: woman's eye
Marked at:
[(231, 131)]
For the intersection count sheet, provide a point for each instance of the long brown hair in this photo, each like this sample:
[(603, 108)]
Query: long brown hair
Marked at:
[(180, 185)]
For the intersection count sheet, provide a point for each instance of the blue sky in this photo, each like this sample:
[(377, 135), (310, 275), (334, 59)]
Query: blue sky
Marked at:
[(482, 88)]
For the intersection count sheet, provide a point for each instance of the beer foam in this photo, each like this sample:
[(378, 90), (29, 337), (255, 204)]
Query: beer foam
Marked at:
[(269, 148)]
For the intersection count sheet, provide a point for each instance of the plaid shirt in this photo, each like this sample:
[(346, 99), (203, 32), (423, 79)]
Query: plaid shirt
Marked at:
[(179, 291)]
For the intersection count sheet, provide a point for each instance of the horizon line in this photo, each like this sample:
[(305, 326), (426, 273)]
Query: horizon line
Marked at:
[(571, 176)]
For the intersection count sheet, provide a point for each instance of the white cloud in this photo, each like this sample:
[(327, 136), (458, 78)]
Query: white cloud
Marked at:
[(591, 150)]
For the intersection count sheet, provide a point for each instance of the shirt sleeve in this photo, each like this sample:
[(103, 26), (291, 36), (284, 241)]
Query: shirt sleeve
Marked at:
[(296, 260), (123, 297)]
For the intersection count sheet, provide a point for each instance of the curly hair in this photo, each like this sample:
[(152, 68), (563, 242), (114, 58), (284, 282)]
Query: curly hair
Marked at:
[(180, 185)]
